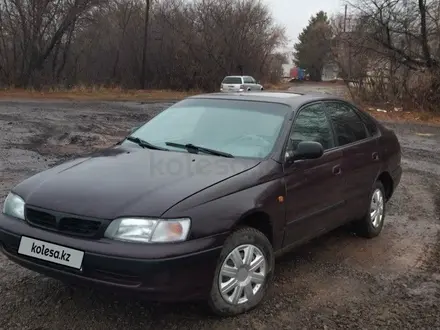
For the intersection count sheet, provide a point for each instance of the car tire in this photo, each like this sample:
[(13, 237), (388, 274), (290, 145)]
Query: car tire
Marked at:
[(371, 226), (246, 242)]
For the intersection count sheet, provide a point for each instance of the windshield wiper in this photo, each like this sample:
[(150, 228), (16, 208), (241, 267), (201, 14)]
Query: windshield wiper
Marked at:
[(145, 144), (193, 148)]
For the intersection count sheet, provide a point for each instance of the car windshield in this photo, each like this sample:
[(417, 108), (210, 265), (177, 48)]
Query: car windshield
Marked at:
[(240, 128), (232, 80)]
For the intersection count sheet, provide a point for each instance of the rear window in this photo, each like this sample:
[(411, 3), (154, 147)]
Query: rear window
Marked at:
[(232, 80)]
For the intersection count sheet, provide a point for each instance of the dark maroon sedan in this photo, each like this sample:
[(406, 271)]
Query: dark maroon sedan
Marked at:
[(196, 203)]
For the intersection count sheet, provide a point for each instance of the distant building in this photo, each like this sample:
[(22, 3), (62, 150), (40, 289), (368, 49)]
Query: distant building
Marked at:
[(330, 71), (287, 69)]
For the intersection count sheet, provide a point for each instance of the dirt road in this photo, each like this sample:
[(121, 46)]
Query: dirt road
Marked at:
[(338, 281)]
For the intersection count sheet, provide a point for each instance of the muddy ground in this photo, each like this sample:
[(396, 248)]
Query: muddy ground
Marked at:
[(335, 282)]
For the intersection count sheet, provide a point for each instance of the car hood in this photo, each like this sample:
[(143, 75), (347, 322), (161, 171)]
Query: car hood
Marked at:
[(127, 182)]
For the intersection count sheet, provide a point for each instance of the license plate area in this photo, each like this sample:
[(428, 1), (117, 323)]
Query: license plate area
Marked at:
[(50, 252)]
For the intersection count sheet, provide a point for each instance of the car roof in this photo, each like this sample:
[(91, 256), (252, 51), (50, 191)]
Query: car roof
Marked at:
[(292, 99)]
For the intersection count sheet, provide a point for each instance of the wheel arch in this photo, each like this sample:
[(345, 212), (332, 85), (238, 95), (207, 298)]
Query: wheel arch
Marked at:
[(387, 182), (257, 219)]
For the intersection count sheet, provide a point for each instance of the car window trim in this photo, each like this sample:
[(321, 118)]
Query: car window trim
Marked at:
[(337, 146), (364, 115), (294, 118)]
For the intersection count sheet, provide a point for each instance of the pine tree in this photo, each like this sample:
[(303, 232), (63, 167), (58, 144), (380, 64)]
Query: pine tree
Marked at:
[(314, 46)]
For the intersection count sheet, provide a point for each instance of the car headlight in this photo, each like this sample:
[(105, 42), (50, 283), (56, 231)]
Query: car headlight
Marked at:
[(148, 230), (14, 206)]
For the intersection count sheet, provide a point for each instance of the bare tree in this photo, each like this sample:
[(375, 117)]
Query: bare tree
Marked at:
[(398, 42), (162, 44), (39, 27)]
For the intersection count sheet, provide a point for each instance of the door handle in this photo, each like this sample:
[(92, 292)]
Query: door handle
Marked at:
[(336, 170), (375, 156)]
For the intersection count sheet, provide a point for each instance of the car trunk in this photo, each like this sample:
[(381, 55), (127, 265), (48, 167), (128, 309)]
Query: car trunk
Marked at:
[(232, 84)]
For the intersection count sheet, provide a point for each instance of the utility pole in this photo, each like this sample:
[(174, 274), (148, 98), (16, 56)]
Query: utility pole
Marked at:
[(346, 43), (349, 48), (345, 18), (144, 48)]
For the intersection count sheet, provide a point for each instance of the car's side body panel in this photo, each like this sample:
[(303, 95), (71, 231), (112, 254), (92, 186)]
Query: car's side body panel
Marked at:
[(388, 148), (255, 191), (360, 169), (314, 203), (391, 155)]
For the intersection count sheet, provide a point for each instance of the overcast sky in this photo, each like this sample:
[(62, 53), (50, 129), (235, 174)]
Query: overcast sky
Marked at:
[(294, 14)]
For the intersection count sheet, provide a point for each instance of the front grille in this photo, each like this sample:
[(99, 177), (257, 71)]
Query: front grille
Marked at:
[(63, 223), (79, 226), (40, 218)]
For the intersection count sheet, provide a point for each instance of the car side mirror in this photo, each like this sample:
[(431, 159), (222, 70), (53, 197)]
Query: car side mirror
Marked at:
[(305, 150)]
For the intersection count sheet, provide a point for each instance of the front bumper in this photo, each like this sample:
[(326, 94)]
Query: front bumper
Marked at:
[(160, 272)]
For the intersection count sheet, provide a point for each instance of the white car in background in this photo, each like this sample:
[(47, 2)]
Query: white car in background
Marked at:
[(240, 84)]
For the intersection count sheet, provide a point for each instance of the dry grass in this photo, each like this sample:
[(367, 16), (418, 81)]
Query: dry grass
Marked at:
[(96, 93), (107, 94), (421, 117), (119, 94), (277, 87)]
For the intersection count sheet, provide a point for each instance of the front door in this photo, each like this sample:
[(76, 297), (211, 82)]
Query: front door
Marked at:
[(314, 201)]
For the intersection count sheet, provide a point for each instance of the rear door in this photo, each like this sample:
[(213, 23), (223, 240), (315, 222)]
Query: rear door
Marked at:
[(314, 200), (248, 83), (361, 163), (254, 84)]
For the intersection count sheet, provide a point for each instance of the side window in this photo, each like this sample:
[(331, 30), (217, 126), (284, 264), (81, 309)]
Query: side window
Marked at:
[(253, 81), (347, 124), (369, 123), (311, 124), (247, 80)]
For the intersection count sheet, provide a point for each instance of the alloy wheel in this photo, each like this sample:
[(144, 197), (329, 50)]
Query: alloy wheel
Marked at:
[(376, 208), (242, 274)]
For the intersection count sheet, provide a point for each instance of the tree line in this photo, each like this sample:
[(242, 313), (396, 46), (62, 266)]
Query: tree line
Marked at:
[(386, 50), (169, 44)]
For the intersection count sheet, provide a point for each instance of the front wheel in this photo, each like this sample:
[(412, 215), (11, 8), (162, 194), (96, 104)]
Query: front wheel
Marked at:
[(243, 273)]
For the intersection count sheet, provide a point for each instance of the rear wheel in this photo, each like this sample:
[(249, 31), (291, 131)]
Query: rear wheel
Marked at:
[(243, 274), (371, 224)]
